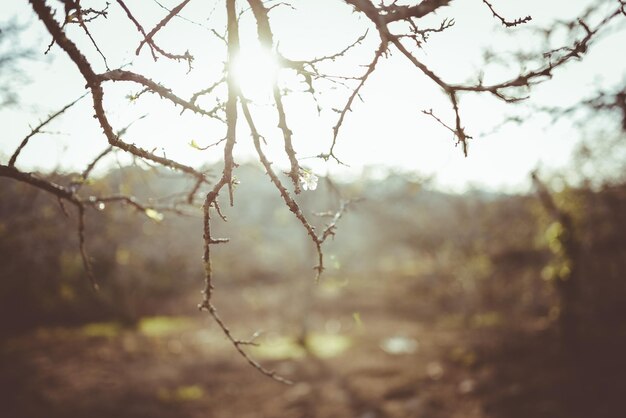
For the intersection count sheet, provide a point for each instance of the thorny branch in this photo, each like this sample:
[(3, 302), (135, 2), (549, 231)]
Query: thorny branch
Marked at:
[(348, 106), (604, 101), (161, 25), (152, 86), (505, 22), (38, 128), (381, 16), (79, 17), (147, 38), (70, 194), (94, 82), (420, 36), (267, 40), (442, 123), (331, 227), (396, 26), (211, 197)]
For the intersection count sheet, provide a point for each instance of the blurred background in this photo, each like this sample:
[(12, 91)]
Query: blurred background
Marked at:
[(487, 286), (433, 304)]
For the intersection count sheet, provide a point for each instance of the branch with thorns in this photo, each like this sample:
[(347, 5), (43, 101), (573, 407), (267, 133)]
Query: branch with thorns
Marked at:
[(228, 111), (147, 37), (383, 15), (507, 23)]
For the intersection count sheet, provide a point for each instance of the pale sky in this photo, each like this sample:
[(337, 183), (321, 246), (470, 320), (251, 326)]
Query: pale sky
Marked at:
[(386, 129)]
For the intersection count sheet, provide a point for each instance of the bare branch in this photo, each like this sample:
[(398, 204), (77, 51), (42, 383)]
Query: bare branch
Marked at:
[(90, 167), (83, 251), (382, 48), (398, 27), (36, 181), (507, 23), (94, 83), (122, 75), (81, 21), (380, 17), (289, 201), (153, 46), (329, 231), (383, 15), (267, 39), (211, 197), (208, 90), (139, 27), (458, 131), (161, 24), (38, 128)]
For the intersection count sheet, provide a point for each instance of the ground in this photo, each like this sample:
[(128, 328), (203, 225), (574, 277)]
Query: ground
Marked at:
[(367, 356)]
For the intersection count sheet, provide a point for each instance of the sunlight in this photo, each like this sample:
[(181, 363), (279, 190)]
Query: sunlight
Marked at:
[(255, 72)]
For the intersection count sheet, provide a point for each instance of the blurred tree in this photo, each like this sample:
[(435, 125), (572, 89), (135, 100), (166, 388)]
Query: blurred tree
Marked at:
[(13, 56), (564, 272), (586, 220)]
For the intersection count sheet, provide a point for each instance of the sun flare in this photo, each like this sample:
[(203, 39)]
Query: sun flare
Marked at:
[(255, 71)]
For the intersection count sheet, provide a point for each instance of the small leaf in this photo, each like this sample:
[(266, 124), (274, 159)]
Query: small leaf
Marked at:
[(154, 215), (194, 144)]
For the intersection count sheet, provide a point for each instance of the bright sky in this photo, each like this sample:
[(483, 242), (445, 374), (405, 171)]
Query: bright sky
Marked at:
[(387, 128)]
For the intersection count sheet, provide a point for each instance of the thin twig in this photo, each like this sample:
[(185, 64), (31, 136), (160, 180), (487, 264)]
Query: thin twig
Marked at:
[(37, 129), (507, 23), (161, 24)]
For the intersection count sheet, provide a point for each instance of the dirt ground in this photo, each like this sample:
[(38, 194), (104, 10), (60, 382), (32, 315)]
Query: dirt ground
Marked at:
[(367, 356)]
